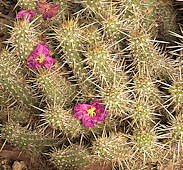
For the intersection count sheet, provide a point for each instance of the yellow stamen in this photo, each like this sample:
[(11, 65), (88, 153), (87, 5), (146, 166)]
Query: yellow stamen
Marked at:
[(91, 111), (41, 59)]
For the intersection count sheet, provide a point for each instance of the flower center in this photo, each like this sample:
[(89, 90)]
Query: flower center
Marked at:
[(91, 111), (41, 59), (47, 9)]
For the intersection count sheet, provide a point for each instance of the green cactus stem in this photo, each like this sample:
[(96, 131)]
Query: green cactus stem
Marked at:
[(166, 20), (12, 80), (146, 87), (146, 146), (114, 148), (147, 57), (16, 114), (116, 98), (72, 157), (176, 95), (104, 66), (62, 120), (25, 139), (142, 113), (56, 89), (24, 38), (69, 37), (27, 4), (175, 136)]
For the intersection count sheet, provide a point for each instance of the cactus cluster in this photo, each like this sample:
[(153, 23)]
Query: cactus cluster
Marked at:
[(90, 83)]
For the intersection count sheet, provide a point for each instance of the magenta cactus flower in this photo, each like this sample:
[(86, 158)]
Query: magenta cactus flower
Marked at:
[(47, 10), (27, 14), (40, 57), (90, 113)]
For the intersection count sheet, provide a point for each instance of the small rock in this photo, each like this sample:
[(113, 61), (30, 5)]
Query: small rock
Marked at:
[(19, 166), (4, 165)]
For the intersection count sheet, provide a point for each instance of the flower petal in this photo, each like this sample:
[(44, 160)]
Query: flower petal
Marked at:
[(37, 53), (47, 10), (88, 122), (25, 13)]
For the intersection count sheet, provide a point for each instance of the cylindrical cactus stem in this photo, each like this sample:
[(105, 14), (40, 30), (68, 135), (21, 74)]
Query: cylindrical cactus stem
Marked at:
[(175, 138), (175, 98), (114, 148), (117, 98), (146, 87), (166, 19), (94, 7), (109, 16), (141, 15), (63, 11), (146, 145), (62, 120), (103, 64), (143, 113), (99, 9), (71, 157), (147, 57), (112, 27), (16, 114), (92, 35), (12, 79), (5, 98), (24, 38), (27, 4), (56, 88), (69, 38), (25, 139)]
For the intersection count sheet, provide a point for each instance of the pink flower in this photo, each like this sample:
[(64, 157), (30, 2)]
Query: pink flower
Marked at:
[(90, 113), (47, 10), (26, 14), (40, 57)]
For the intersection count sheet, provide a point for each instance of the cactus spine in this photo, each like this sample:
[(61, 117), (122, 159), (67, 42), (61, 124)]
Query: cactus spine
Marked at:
[(114, 148), (55, 87), (12, 79), (25, 139), (68, 35), (74, 157), (24, 38), (27, 4)]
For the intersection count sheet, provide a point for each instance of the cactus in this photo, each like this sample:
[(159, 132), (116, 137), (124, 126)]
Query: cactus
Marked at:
[(12, 80), (103, 65), (25, 139), (62, 120), (147, 58), (104, 86), (176, 95), (55, 87), (117, 98), (166, 20), (142, 113), (174, 133), (146, 146), (27, 4), (114, 148), (24, 38), (68, 36), (16, 114), (74, 157), (5, 98)]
